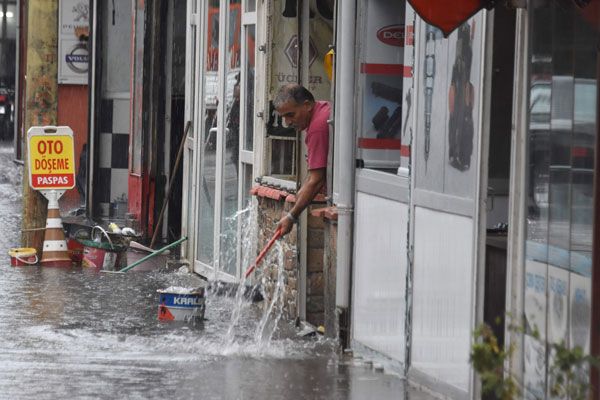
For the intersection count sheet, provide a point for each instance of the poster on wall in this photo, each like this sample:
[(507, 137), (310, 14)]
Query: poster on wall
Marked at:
[(381, 75), (285, 46), (449, 107), (285, 54), (73, 34), (211, 74), (232, 57)]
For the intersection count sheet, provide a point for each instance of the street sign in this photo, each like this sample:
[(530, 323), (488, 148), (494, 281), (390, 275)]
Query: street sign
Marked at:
[(51, 158)]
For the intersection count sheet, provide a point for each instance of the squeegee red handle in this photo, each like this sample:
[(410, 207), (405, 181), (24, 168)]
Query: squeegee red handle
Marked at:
[(263, 252)]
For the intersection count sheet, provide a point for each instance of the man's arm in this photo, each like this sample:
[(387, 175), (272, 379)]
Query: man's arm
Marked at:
[(312, 186)]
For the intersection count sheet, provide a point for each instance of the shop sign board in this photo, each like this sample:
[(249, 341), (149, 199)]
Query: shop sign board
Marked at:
[(51, 158), (73, 34)]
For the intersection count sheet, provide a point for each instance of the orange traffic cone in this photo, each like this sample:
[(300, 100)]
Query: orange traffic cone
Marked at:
[(54, 251)]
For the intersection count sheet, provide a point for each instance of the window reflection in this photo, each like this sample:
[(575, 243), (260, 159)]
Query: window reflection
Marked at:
[(561, 160), (230, 181), (562, 137), (208, 149), (250, 41), (562, 128)]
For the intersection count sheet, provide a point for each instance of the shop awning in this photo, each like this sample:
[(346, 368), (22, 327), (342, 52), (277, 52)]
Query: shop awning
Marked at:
[(448, 15), (589, 11)]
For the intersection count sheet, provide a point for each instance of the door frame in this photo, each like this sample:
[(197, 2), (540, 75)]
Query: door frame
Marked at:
[(194, 59), (195, 108)]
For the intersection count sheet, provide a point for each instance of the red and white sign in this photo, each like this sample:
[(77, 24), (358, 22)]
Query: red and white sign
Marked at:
[(51, 158), (392, 35)]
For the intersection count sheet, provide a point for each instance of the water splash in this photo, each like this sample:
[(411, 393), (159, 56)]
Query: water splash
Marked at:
[(272, 314), (238, 240), (246, 220), (261, 343), (239, 306)]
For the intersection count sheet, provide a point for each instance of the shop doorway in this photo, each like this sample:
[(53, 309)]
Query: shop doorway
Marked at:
[(173, 120), (499, 170)]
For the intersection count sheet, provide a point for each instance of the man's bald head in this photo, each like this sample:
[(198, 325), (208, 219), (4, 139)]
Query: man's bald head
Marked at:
[(294, 92)]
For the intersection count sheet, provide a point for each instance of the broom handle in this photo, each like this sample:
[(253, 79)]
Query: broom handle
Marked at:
[(164, 206), (262, 253)]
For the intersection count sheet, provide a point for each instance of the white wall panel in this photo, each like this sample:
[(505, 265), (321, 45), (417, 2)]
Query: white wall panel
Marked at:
[(442, 293), (380, 274)]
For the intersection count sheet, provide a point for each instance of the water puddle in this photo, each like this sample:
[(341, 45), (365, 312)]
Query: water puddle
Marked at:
[(75, 333), (62, 322)]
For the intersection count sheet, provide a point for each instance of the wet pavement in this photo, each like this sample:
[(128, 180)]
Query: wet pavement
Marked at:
[(79, 334)]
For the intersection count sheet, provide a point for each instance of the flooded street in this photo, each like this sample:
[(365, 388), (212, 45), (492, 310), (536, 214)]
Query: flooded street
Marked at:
[(78, 334)]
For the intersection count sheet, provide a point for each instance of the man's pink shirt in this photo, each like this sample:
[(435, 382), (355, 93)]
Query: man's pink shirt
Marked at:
[(317, 136)]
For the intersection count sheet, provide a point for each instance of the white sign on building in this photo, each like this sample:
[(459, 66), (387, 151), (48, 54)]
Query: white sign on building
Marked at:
[(73, 34)]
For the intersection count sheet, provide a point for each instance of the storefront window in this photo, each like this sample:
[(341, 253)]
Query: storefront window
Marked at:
[(561, 142), (250, 38), (208, 149), (381, 79), (230, 180)]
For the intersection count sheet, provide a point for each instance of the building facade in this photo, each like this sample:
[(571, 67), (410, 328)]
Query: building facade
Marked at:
[(461, 178)]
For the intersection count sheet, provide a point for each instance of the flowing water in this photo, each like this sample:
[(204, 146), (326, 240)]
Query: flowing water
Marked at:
[(77, 334), (273, 311)]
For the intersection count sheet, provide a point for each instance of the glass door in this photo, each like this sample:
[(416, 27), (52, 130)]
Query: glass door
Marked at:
[(246, 247), (222, 167), (228, 254)]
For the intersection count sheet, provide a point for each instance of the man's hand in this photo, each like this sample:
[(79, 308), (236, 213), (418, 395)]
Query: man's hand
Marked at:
[(285, 224), (311, 187)]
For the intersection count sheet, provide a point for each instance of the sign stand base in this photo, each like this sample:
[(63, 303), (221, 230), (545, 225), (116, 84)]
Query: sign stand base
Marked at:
[(54, 250)]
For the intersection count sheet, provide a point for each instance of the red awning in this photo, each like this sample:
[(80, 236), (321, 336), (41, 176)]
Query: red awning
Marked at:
[(589, 11), (448, 14)]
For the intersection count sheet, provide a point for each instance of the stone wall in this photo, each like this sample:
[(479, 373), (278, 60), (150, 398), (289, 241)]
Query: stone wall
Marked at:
[(272, 203), (269, 213), (328, 218), (314, 269)]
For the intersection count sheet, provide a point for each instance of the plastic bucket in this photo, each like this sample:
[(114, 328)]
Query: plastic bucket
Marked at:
[(179, 304), (101, 255), (75, 250), (24, 256)]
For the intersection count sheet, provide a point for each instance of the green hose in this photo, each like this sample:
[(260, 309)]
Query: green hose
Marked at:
[(183, 239)]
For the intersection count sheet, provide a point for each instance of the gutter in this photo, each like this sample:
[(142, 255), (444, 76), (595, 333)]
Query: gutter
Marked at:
[(345, 71)]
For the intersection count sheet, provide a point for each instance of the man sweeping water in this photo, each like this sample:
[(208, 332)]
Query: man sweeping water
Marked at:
[(298, 107)]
